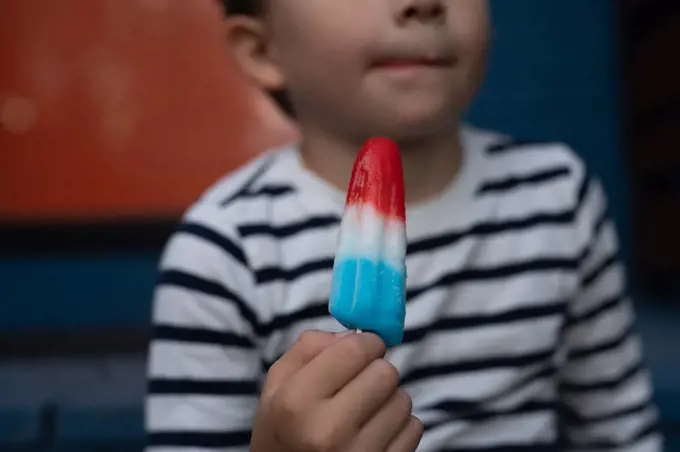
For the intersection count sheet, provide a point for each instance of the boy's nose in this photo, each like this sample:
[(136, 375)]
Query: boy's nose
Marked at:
[(420, 11)]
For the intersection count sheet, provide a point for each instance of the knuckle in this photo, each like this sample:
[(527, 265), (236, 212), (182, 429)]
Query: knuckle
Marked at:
[(354, 346), (405, 402), (309, 343), (317, 439), (304, 426), (307, 340), (418, 426), (325, 431), (357, 348), (285, 405), (376, 344), (387, 373)]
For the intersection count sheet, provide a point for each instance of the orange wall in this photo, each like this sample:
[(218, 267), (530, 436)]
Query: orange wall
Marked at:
[(114, 108)]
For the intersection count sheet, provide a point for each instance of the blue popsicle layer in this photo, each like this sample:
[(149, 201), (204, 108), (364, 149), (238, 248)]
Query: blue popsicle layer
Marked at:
[(369, 296)]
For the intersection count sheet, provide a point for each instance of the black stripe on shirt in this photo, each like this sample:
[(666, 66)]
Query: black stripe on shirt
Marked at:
[(577, 419), (271, 274), (651, 428), (584, 188), (482, 415), (548, 309), (601, 385), (270, 191), (513, 182), (501, 271), (215, 238), (458, 406), (598, 271), (248, 183), (598, 227), (490, 228), (183, 386), (207, 440), (512, 145), (586, 352), (289, 230), (547, 369), (600, 222), (316, 310), (193, 283), (601, 308), (200, 336), (475, 365)]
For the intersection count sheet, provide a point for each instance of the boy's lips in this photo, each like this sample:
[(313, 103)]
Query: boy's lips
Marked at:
[(408, 68), (404, 63)]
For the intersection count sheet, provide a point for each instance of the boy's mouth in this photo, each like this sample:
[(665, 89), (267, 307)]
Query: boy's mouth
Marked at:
[(409, 63), (413, 62), (413, 68)]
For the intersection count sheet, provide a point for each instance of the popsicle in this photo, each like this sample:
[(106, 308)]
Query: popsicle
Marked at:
[(369, 272)]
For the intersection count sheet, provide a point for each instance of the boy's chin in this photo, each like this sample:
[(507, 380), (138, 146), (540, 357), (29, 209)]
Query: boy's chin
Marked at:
[(408, 125)]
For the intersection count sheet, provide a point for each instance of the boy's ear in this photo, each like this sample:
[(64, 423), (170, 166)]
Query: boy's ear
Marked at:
[(247, 38)]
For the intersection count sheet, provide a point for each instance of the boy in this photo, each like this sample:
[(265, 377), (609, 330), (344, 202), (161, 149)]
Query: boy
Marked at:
[(519, 335)]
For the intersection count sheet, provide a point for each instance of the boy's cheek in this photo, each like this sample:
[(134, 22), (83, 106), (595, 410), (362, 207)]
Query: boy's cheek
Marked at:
[(470, 26)]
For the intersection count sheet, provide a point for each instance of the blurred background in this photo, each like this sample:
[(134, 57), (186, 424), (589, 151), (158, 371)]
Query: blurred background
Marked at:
[(115, 115)]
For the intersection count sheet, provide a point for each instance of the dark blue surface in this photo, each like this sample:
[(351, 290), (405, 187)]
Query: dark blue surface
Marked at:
[(97, 424), (19, 425), (62, 292)]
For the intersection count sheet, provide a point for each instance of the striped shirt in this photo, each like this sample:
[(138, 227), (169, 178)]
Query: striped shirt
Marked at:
[(518, 329)]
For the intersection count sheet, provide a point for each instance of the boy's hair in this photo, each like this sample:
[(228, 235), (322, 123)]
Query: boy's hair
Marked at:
[(254, 8)]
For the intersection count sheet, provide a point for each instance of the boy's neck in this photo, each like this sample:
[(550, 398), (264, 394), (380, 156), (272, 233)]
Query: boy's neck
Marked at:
[(429, 164)]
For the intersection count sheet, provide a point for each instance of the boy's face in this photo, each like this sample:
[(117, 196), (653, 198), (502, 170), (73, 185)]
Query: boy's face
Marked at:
[(403, 68)]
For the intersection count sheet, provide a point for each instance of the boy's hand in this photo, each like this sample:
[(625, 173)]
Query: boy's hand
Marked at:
[(335, 394)]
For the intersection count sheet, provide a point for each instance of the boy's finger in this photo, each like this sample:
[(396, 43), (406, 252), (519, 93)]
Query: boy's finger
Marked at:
[(305, 349), (387, 424), (409, 438), (338, 364), (367, 393)]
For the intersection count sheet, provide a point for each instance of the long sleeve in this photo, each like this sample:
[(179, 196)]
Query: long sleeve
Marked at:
[(204, 367), (605, 388)]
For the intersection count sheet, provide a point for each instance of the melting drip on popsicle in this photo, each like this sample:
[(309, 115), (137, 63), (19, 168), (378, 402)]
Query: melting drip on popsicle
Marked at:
[(369, 274)]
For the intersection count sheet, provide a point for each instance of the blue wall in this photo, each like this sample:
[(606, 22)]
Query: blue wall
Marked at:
[(63, 292)]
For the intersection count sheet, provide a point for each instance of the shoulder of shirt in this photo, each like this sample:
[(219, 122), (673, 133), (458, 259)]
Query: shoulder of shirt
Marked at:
[(502, 151), (221, 206), (500, 148)]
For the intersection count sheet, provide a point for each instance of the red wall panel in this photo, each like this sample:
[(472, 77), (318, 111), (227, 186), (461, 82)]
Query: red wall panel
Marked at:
[(113, 109)]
